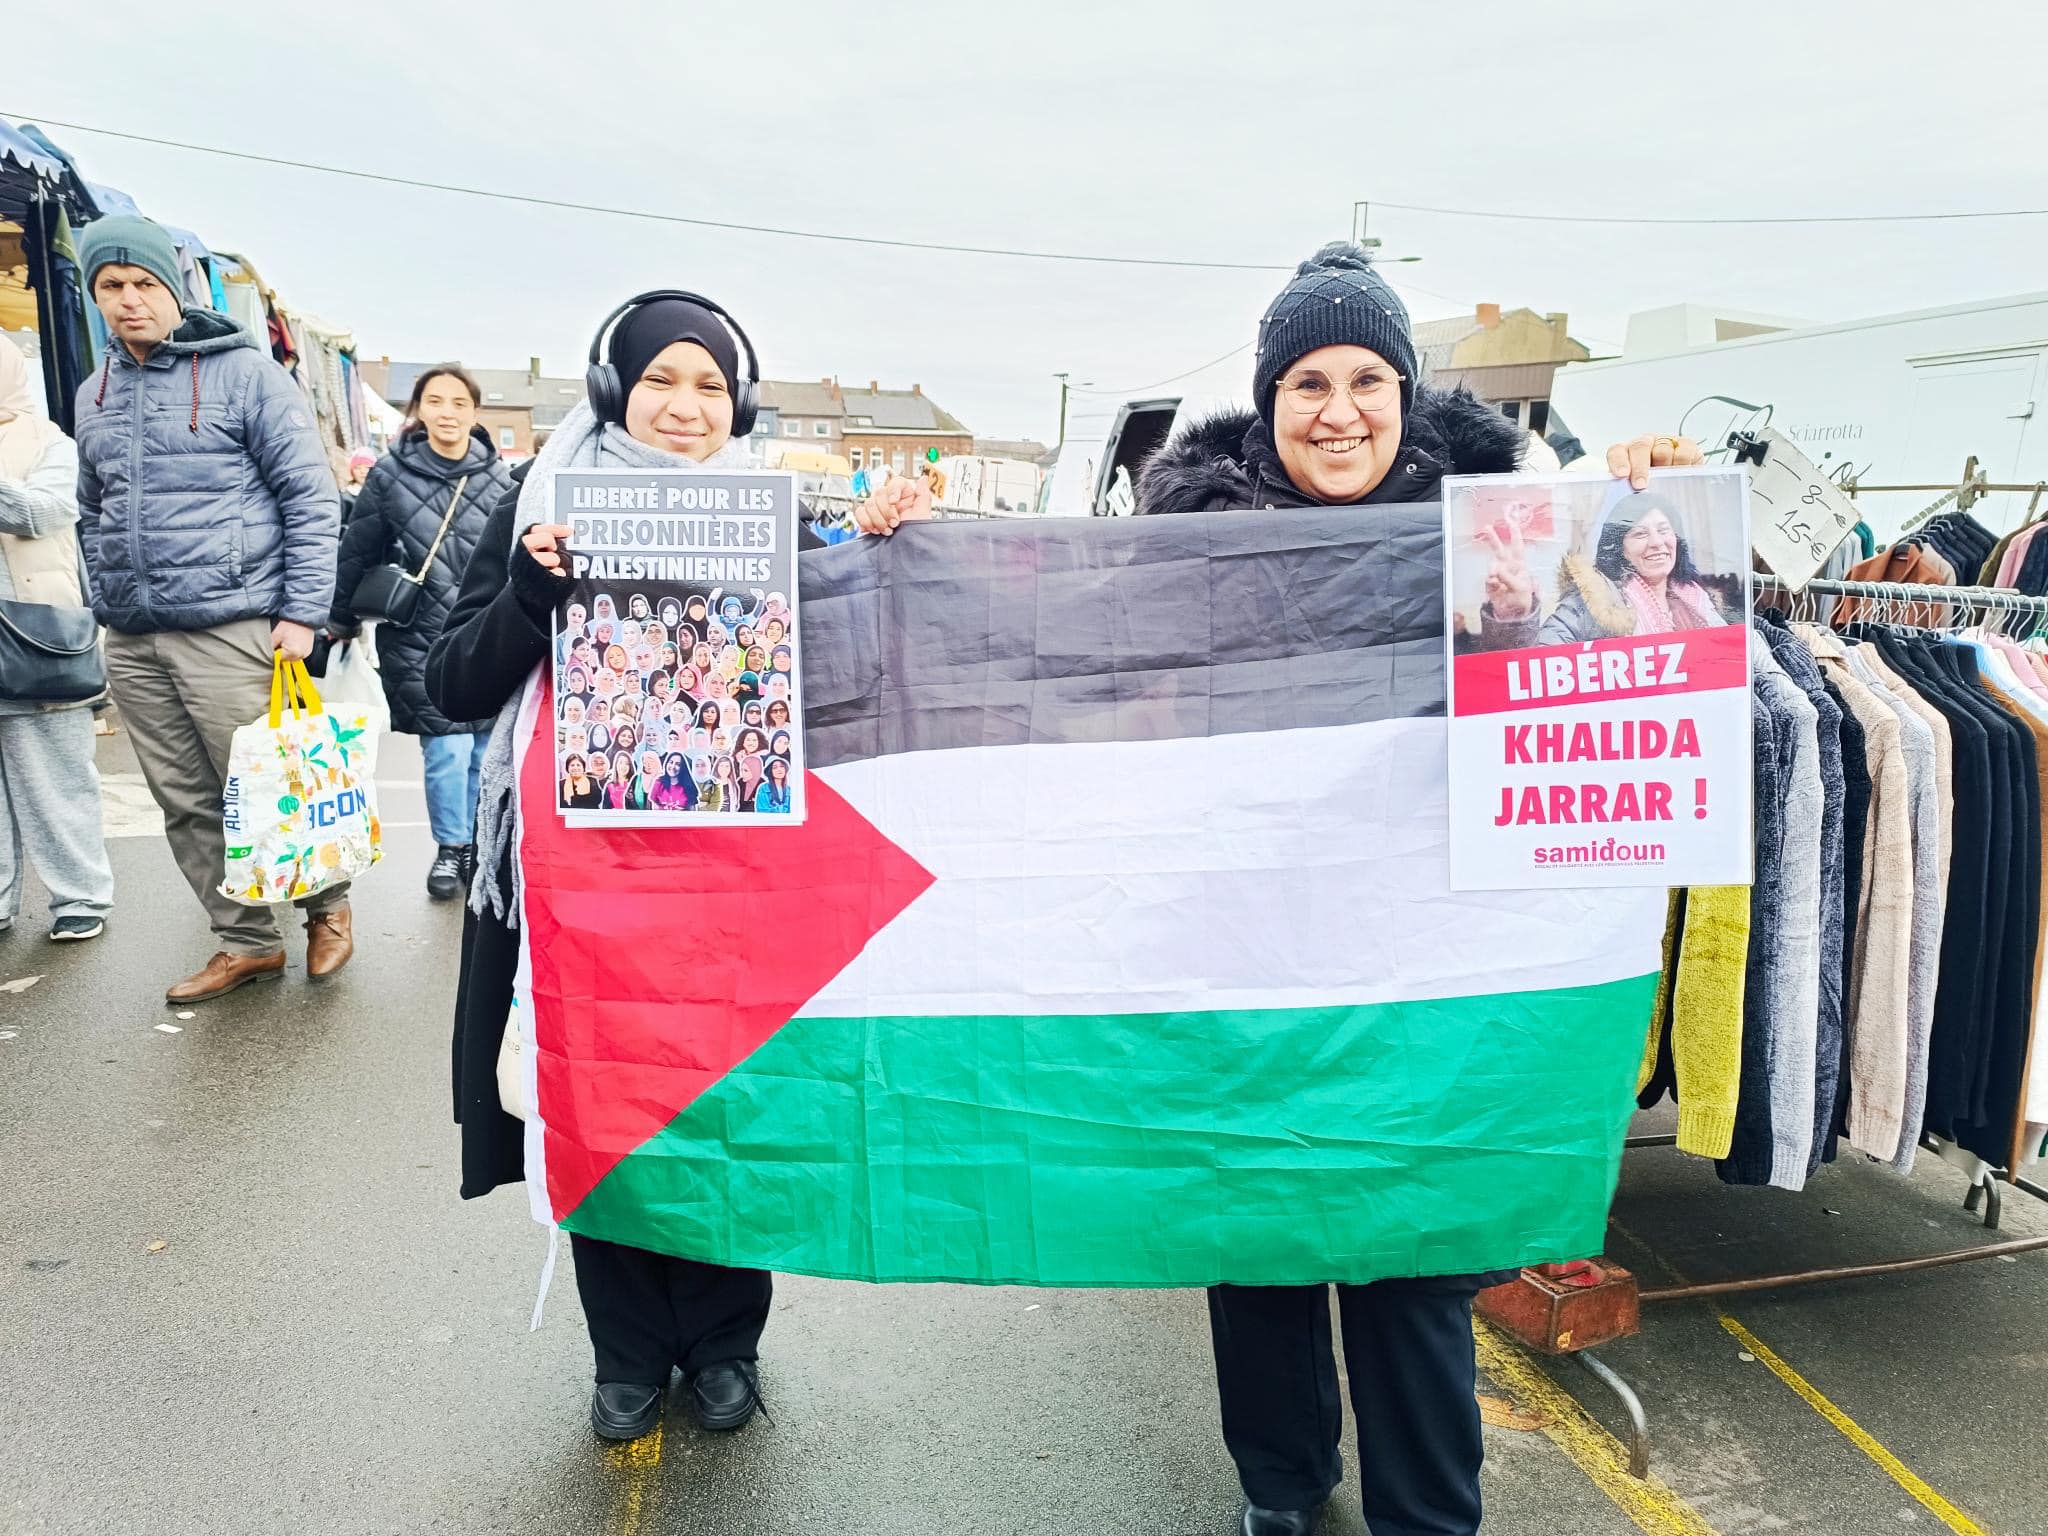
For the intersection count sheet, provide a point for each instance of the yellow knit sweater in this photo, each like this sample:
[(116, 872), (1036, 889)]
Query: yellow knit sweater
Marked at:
[(1705, 1013)]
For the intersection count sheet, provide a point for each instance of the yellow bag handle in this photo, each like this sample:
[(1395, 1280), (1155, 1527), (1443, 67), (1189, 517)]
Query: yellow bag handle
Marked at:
[(291, 683)]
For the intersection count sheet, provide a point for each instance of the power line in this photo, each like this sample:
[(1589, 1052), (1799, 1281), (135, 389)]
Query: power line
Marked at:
[(1146, 389), (1818, 218), (663, 218)]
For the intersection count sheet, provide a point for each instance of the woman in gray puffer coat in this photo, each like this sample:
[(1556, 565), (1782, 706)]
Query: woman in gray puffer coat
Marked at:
[(442, 462)]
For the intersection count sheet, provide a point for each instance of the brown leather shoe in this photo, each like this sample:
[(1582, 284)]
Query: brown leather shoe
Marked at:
[(222, 974), (330, 940)]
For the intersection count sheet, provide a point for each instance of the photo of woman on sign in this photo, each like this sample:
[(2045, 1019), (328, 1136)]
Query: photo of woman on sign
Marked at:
[(1642, 577)]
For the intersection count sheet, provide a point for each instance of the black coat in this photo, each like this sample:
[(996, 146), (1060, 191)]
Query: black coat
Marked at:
[(496, 633), (1228, 462), (396, 517)]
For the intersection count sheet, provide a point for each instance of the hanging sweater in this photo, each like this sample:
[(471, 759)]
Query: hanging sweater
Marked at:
[(1881, 959), (1748, 1159), (1855, 827), (1974, 925), (1924, 736), (1827, 1048), (1706, 1016), (2002, 1062), (1796, 986), (1783, 1035)]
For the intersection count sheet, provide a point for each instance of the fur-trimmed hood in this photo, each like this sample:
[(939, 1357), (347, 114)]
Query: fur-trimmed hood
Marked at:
[(1228, 460)]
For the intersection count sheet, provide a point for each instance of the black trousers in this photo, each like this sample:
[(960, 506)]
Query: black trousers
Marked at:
[(650, 1314), (1408, 1349)]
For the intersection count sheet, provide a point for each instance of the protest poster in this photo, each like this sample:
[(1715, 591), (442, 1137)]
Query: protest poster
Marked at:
[(1599, 680), (677, 690)]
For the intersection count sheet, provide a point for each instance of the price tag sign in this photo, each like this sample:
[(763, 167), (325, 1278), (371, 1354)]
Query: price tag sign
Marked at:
[(1800, 516)]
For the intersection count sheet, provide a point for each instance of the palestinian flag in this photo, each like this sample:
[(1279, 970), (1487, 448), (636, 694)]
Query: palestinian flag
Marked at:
[(1117, 949)]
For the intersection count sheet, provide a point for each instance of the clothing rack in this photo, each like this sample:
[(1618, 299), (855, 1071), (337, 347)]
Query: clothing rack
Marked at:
[(1557, 1334), (1916, 594)]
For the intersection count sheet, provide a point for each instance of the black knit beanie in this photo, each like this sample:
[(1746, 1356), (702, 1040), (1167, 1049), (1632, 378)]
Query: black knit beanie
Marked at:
[(1336, 298), (658, 324)]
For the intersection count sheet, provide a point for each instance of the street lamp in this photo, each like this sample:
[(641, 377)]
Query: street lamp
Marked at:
[(1360, 211)]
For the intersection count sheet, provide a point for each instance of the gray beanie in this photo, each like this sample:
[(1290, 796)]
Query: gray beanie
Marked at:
[(1336, 298), (124, 239)]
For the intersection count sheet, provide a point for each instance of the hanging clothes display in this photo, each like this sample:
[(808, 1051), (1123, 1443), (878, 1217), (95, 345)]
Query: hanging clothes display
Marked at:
[(1882, 978)]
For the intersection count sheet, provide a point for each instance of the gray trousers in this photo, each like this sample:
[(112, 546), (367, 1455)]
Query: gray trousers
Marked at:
[(50, 810), (182, 694)]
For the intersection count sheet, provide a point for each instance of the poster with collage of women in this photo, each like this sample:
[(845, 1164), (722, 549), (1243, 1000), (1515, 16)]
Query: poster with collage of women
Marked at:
[(676, 675)]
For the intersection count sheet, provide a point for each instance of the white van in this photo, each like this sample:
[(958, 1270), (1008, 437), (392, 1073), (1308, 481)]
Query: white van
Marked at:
[(1894, 399), (1084, 480)]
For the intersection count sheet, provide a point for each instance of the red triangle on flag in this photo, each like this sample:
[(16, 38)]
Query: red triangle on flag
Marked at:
[(664, 957)]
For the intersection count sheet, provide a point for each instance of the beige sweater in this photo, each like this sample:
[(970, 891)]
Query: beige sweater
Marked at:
[(1880, 970)]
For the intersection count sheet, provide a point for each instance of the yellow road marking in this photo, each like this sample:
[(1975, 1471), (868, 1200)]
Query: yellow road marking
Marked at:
[(636, 1462), (1851, 1431), (1653, 1507), (1856, 1434)]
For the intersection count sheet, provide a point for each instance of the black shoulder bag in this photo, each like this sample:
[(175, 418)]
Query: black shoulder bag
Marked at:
[(390, 593), (48, 654)]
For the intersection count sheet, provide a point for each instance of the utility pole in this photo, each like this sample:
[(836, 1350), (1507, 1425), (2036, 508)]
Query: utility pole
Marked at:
[(1063, 408)]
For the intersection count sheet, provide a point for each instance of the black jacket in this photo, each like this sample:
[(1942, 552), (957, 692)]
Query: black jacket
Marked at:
[(1228, 462), (395, 520), (496, 633)]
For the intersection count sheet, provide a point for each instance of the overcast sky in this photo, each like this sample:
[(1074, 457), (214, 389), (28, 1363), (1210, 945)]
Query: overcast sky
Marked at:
[(1198, 129)]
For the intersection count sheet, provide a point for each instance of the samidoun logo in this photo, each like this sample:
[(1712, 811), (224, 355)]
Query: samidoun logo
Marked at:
[(330, 810)]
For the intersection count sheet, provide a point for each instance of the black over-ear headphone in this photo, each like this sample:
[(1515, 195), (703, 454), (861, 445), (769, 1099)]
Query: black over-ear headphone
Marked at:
[(608, 391)]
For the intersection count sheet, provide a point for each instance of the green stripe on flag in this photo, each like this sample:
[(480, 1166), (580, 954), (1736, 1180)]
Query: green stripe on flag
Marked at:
[(1441, 1136)]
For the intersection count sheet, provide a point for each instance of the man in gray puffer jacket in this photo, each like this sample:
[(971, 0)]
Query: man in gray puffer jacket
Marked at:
[(209, 520)]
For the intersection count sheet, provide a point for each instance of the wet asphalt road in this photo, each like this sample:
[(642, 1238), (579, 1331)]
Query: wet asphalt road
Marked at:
[(328, 1340)]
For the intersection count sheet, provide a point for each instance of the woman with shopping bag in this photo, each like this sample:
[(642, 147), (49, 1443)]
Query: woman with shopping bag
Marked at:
[(403, 555), (49, 788)]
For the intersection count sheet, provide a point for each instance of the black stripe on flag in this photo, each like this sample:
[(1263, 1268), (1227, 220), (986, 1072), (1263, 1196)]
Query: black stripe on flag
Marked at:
[(968, 634)]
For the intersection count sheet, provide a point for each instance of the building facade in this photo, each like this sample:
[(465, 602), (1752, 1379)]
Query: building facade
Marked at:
[(1507, 358), (894, 428)]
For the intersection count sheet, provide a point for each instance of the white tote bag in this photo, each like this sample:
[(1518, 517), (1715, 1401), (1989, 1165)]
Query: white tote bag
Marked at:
[(299, 809)]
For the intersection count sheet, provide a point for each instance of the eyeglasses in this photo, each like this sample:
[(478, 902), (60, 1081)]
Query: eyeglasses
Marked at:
[(1369, 389)]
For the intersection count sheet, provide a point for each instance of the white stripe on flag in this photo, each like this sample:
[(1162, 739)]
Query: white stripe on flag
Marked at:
[(1275, 869)]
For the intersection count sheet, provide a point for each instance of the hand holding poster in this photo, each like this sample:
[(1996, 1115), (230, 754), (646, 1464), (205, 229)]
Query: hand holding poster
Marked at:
[(1599, 702), (676, 672)]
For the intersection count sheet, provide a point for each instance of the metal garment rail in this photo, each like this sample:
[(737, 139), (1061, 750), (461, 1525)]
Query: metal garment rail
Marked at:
[(1986, 1190), (1994, 599)]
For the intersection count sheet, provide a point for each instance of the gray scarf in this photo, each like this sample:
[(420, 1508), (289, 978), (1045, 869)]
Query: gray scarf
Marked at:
[(580, 442)]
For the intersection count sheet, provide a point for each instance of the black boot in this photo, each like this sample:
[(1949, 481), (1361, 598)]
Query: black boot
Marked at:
[(727, 1395), (624, 1410), (468, 865), (444, 878)]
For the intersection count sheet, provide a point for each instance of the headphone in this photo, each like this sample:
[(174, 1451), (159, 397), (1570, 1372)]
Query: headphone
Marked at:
[(607, 391)]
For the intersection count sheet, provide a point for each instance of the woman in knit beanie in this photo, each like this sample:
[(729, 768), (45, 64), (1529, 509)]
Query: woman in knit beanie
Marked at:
[(1342, 420)]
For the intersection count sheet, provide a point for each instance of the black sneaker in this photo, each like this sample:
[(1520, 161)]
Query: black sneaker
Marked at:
[(468, 865), (71, 930), (444, 878)]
